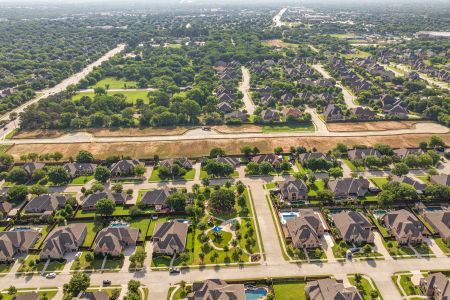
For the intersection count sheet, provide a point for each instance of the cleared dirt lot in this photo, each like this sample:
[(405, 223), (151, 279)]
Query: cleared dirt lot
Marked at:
[(240, 128), (197, 148), (279, 44), (372, 126)]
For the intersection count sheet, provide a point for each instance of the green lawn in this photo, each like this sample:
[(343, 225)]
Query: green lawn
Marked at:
[(383, 230), (154, 177), (289, 291), (396, 249), (81, 180), (357, 54), (271, 185), (132, 96), (49, 294), (352, 167), (363, 286), (39, 265), (318, 185), (220, 240), (113, 264), (287, 128), (204, 174), (5, 267), (153, 223), (424, 178), (141, 224), (423, 249), (118, 211), (443, 245), (92, 229), (116, 83), (405, 282), (379, 181)]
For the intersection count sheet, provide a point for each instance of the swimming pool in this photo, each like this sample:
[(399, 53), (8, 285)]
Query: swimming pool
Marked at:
[(255, 293), (118, 224), (378, 213), (284, 216)]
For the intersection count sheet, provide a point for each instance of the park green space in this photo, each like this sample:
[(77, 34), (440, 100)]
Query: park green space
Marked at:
[(115, 83), (154, 177), (132, 96)]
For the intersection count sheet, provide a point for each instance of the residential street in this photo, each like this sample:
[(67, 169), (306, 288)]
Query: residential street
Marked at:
[(244, 88), (277, 19)]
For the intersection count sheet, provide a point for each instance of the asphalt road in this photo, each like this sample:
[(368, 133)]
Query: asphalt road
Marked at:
[(244, 88), (277, 19)]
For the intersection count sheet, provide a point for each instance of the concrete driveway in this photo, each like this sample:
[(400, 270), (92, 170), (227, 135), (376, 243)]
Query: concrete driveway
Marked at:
[(379, 247)]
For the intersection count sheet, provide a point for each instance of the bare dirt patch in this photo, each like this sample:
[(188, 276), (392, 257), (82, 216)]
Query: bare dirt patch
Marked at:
[(198, 148), (279, 44), (371, 126), (39, 134), (247, 128)]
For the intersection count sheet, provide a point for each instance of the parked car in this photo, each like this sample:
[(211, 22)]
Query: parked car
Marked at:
[(50, 275), (174, 271), (106, 282)]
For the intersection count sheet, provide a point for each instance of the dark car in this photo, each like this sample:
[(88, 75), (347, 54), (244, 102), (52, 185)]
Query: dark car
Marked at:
[(174, 271), (106, 282)]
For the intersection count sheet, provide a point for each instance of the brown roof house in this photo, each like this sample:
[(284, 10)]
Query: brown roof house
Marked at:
[(156, 198), (124, 167), (404, 226), (293, 190), (330, 289), (16, 241), (92, 199), (273, 159), (63, 239), (440, 221), (403, 152), (45, 204), (170, 237), (436, 286), (418, 186), (113, 240), (30, 167), (216, 289), (5, 208), (362, 153), (30, 296), (182, 162), (305, 230), (440, 179), (98, 295), (353, 227), (80, 169), (349, 187)]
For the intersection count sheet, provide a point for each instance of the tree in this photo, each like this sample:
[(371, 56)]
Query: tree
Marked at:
[(78, 283), (215, 152), (6, 161), (358, 277), (335, 172), (89, 257), (222, 200), (58, 175), (139, 256), (17, 193), (400, 169), (246, 150), (265, 168), (436, 141), (117, 187), (57, 156), (102, 174), (17, 175), (12, 290), (438, 192), (84, 157), (325, 196), (134, 285), (105, 207), (139, 170), (115, 294), (177, 201), (278, 150), (37, 189)]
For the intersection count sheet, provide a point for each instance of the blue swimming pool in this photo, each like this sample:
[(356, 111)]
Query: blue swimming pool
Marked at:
[(284, 216), (255, 293)]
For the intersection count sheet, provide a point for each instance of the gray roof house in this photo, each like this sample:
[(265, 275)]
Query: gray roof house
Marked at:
[(403, 152), (63, 239), (16, 241), (362, 153), (156, 198), (5, 208), (330, 289), (216, 289), (270, 115), (124, 167), (349, 187), (436, 286), (440, 221), (440, 179), (332, 113), (353, 227), (404, 226), (293, 190), (273, 159), (80, 169), (303, 157), (92, 199), (231, 161), (170, 237), (305, 230), (224, 107), (98, 295), (418, 186), (182, 162), (29, 296), (30, 167), (113, 240), (45, 204)]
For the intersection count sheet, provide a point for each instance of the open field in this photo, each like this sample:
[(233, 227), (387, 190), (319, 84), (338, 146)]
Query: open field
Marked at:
[(372, 126), (238, 128), (279, 44), (197, 148), (115, 83)]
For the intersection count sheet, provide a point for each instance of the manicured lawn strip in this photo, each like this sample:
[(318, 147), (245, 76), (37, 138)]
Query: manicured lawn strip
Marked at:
[(427, 225), (92, 229), (363, 287), (424, 178), (287, 128), (379, 181), (396, 249), (5, 267), (118, 211), (81, 180), (142, 225), (383, 230), (271, 185), (39, 265), (44, 232), (153, 223), (116, 83), (318, 185), (409, 288), (443, 245), (352, 167), (289, 291), (154, 177)]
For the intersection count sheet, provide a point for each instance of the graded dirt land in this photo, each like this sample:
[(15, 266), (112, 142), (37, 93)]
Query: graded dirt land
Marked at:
[(371, 126), (198, 148)]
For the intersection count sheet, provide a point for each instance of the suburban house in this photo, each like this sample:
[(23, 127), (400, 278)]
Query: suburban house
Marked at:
[(303, 157), (16, 241), (30, 167), (216, 289), (328, 289), (224, 107), (237, 115), (418, 186), (349, 187), (30, 296), (332, 113), (293, 190), (291, 111), (182, 162), (440, 221), (362, 153), (270, 115), (436, 286), (98, 295), (156, 198), (170, 237), (5, 208), (305, 230), (353, 227), (92, 199), (113, 240), (404, 226), (45, 204), (124, 167), (403, 152), (272, 159), (231, 161), (363, 113), (440, 179), (80, 169), (63, 239)]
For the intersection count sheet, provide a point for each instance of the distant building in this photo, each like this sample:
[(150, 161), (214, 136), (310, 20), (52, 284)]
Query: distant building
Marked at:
[(216, 289)]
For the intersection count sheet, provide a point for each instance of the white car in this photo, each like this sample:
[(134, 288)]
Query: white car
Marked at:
[(50, 275), (78, 254)]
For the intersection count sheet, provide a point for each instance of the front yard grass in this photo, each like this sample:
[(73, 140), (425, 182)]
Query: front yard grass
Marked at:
[(395, 249), (445, 247), (115, 83), (352, 167), (33, 264), (363, 286), (154, 177), (81, 180), (120, 210), (5, 267), (289, 290), (204, 174), (405, 282), (314, 188), (379, 181), (340, 251)]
